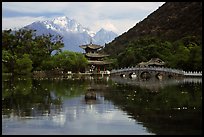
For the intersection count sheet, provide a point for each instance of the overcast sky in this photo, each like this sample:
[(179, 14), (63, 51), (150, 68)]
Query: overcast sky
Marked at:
[(116, 16)]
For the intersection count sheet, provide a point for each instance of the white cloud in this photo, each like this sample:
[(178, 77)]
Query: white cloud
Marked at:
[(117, 26), (104, 24), (97, 7), (18, 22), (109, 26), (35, 7), (117, 16)]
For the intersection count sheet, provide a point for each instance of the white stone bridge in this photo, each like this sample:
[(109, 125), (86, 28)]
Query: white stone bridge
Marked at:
[(148, 72)]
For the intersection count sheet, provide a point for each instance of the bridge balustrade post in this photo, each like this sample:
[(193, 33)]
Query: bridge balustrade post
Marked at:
[(132, 68)]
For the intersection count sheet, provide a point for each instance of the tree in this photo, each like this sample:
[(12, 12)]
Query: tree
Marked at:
[(39, 48), (185, 54), (23, 65), (70, 61)]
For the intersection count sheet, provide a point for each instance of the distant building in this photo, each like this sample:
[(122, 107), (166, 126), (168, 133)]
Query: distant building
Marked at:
[(154, 62), (96, 62)]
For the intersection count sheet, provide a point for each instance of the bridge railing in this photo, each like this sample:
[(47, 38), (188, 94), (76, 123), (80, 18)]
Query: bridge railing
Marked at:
[(161, 69), (193, 73)]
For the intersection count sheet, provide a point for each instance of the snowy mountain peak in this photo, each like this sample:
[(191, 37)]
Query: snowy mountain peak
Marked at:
[(61, 21), (64, 24), (73, 33), (62, 18)]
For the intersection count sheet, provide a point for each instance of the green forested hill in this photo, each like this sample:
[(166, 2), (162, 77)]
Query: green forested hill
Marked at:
[(177, 23)]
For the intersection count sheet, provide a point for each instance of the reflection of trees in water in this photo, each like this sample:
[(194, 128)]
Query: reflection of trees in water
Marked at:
[(26, 97), (174, 109)]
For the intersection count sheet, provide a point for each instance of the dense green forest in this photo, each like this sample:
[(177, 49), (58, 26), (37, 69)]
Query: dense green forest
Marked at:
[(24, 52), (185, 54)]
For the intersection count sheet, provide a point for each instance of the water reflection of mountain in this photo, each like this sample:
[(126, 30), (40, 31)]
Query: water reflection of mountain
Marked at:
[(155, 84)]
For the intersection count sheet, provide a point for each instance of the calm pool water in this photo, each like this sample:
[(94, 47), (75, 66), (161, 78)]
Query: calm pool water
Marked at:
[(123, 106)]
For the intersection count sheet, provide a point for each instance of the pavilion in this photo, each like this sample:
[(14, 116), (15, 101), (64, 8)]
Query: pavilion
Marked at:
[(154, 62), (96, 62)]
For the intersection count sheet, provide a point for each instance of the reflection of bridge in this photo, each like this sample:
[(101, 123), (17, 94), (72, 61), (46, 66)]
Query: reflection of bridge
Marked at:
[(147, 72), (154, 84)]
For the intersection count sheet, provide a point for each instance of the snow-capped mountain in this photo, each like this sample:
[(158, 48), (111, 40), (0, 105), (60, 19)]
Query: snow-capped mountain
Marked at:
[(73, 33), (64, 24)]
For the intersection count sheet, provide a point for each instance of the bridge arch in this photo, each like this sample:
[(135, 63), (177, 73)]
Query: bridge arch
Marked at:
[(122, 75), (132, 75), (170, 76), (159, 75), (145, 75)]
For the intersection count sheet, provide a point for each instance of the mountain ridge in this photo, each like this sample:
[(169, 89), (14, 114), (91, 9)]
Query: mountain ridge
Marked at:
[(73, 33), (171, 21)]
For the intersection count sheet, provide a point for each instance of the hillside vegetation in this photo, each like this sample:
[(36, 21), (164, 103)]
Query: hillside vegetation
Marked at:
[(173, 33)]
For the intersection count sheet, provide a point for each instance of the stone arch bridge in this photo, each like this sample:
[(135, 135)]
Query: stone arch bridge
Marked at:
[(149, 72)]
